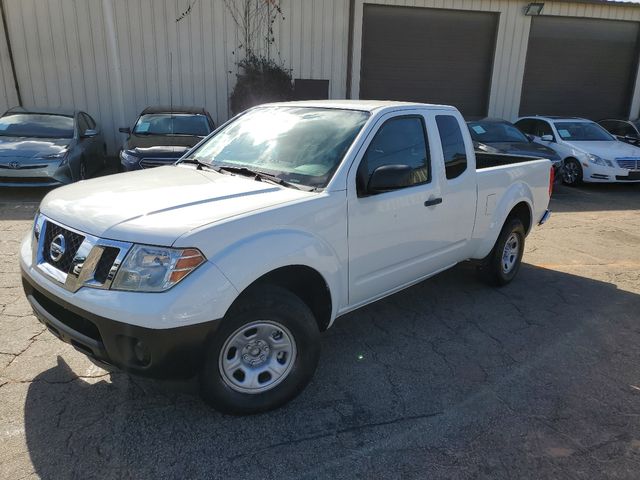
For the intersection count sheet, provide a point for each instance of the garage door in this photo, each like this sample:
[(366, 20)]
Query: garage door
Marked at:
[(581, 67), (428, 55)]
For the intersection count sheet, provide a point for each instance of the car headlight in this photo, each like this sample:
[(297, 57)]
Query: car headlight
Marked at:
[(37, 225), (62, 155), (598, 160), (155, 269), (128, 156)]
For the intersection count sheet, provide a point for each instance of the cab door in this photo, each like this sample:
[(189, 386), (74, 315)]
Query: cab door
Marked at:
[(400, 236)]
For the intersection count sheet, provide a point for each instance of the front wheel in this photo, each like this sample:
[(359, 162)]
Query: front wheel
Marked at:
[(503, 263), (572, 172), (263, 355)]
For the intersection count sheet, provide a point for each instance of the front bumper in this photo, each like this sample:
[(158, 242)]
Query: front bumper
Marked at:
[(50, 175), (165, 353)]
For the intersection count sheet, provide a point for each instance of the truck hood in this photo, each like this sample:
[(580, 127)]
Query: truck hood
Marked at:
[(160, 205), (609, 150)]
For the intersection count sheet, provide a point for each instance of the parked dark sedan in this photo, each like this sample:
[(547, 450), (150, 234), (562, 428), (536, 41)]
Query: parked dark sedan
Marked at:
[(627, 131), (41, 147), (162, 135), (500, 136)]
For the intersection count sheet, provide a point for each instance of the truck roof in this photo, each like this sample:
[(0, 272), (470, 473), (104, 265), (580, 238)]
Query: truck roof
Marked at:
[(363, 105)]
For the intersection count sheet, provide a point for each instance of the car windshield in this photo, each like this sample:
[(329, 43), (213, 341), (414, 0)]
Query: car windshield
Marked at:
[(172, 124), (582, 132), (301, 145), (496, 132), (36, 125)]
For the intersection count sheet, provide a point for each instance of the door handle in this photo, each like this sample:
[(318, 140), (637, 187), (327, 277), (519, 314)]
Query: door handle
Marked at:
[(433, 202)]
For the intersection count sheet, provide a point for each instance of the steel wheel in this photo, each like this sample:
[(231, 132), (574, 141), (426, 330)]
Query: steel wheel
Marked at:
[(257, 357), (510, 253)]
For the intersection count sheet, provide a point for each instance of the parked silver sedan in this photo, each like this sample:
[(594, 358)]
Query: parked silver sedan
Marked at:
[(42, 147)]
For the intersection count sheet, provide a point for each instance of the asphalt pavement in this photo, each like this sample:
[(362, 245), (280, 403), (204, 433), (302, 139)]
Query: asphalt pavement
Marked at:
[(448, 379)]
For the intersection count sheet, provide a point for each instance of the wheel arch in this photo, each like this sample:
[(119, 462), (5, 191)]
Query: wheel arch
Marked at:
[(303, 281)]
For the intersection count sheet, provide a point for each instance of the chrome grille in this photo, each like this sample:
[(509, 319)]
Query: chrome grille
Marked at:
[(72, 241), (629, 163), (87, 261)]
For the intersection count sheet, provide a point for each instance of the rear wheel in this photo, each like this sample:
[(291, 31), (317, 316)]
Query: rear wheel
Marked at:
[(503, 263), (263, 355), (572, 172)]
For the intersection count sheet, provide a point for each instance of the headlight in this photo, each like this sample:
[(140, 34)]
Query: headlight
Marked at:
[(128, 156), (62, 155), (37, 225), (156, 269), (597, 160)]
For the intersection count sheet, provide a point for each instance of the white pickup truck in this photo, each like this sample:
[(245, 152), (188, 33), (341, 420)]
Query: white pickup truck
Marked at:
[(230, 263)]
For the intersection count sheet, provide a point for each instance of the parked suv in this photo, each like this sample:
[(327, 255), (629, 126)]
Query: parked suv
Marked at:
[(590, 153), (161, 135), (41, 147)]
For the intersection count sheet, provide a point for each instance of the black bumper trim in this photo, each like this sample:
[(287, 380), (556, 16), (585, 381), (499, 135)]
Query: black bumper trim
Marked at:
[(171, 353)]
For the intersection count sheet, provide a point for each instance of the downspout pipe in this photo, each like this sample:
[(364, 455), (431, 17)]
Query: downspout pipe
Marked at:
[(10, 50)]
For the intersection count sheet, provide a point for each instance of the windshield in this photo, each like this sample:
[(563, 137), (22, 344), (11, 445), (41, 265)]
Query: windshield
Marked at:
[(36, 125), (496, 132), (302, 145), (582, 132), (172, 124)]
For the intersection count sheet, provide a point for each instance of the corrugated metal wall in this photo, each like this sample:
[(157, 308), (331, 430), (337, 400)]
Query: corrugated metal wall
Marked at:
[(112, 58), (511, 43)]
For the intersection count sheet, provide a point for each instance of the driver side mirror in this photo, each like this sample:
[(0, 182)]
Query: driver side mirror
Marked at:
[(547, 138), (630, 138), (389, 177), (126, 130), (530, 137), (88, 133)]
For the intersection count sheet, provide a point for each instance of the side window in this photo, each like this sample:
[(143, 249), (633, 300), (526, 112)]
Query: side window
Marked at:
[(90, 121), (627, 129), (82, 124), (400, 141), (543, 128), (453, 148), (525, 126)]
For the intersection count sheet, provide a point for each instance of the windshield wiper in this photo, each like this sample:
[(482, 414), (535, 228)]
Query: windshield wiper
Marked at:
[(199, 163), (259, 176)]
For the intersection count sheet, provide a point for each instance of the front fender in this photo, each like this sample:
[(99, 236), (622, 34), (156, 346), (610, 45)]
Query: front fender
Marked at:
[(246, 261), (517, 193)]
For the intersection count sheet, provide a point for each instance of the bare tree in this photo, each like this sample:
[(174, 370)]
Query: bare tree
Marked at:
[(255, 20)]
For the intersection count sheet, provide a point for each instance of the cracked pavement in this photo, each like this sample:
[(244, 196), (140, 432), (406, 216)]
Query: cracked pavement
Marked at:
[(448, 379)]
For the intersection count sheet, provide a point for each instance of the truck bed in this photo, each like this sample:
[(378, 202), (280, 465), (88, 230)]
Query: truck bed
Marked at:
[(488, 160)]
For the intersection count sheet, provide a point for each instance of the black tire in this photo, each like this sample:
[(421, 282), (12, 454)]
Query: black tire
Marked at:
[(572, 172), (83, 173), (493, 268), (271, 304)]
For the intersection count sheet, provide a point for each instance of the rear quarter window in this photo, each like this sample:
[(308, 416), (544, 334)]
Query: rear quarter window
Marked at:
[(453, 147)]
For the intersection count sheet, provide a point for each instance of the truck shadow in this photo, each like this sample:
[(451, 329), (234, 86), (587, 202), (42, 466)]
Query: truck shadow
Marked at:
[(596, 197), (442, 372)]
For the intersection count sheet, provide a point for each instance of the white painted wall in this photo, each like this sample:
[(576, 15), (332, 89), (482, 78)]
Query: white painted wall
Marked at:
[(112, 58)]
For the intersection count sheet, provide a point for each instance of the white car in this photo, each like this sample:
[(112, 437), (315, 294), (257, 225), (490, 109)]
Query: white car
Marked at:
[(590, 153), (230, 263)]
